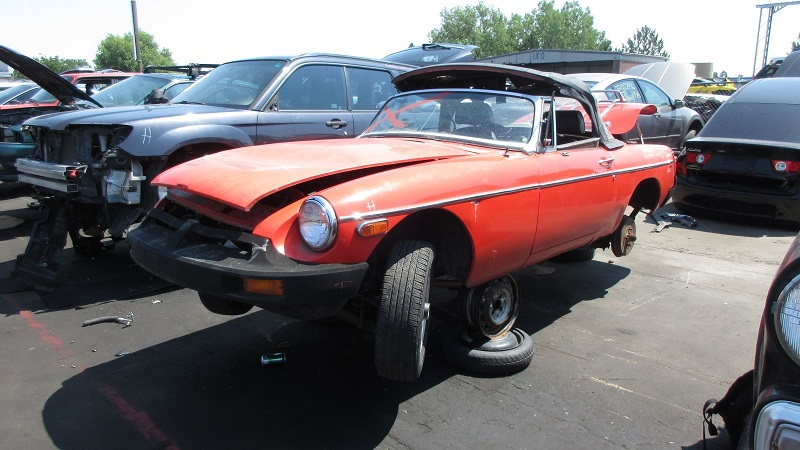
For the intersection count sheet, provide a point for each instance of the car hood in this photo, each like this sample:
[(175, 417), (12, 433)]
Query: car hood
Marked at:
[(673, 77), (50, 81), (120, 115), (243, 176)]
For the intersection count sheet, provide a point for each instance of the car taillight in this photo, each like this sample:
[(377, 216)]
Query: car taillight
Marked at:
[(697, 158), (785, 166)]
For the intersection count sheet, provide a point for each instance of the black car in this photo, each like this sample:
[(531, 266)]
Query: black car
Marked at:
[(434, 53), (746, 161), (761, 409), (92, 168)]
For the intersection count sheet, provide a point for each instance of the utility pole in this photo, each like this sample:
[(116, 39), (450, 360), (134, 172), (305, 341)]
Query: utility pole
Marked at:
[(136, 47)]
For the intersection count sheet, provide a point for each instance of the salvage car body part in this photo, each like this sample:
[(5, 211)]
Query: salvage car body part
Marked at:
[(473, 171), (101, 162), (665, 88), (761, 409), (746, 160)]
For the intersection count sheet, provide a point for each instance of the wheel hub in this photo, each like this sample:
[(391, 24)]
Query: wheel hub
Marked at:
[(492, 308)]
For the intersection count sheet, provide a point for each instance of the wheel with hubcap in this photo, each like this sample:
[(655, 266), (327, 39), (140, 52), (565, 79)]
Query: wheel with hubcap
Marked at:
[(224, 306), (624, 237), (401, 330)]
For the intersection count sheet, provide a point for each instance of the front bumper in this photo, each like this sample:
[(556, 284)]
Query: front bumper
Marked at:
[(192, 255), (745, 204)]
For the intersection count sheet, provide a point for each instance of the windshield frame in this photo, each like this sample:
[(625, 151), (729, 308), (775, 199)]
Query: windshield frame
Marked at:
[(400, 103), (247, 79)]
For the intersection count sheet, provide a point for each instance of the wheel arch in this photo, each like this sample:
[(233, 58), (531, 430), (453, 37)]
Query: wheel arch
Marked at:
[(453, 246), (646, 195)]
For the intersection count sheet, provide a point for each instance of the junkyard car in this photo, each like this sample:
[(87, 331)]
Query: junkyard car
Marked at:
[(674, 123), (472, 172), (135, 89), (20, 93), (746, 160), (761, 409), (155, 85), (92, 168), (433, 53)]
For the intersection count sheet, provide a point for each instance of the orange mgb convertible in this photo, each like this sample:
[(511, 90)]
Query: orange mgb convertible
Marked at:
[(471, 172)]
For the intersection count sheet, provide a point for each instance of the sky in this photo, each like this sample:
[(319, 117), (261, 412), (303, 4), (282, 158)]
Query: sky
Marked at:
[(721, 32)]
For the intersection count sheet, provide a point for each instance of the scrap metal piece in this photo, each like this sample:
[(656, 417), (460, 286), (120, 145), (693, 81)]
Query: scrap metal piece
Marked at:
[(127, 320)]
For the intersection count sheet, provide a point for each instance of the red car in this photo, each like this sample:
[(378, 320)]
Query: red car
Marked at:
[(44, 101), (472, 172)]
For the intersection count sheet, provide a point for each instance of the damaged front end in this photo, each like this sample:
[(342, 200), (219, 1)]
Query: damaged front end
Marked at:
[(92, 190)]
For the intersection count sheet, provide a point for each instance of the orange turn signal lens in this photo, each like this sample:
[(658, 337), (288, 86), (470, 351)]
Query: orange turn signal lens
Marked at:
[(264, 287), (373, 228)]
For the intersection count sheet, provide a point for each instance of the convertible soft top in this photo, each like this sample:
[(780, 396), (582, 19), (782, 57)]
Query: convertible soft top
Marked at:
[(505, 78)]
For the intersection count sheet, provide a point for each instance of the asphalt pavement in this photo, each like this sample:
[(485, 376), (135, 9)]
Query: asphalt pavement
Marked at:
[(627, 350)]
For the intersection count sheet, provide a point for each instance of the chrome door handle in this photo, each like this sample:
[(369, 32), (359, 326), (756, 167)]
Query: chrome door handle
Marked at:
[(605, 162)]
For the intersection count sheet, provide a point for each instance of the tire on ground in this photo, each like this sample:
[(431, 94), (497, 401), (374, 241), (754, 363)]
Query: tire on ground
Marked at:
[(502, 362)]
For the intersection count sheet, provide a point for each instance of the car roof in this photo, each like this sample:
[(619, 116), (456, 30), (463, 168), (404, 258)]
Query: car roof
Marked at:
[(434, 53), (790, 67), (330, 57), (777, 90)]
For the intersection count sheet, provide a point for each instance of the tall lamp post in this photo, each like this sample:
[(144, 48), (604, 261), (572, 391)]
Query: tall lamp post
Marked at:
[(136, 47)]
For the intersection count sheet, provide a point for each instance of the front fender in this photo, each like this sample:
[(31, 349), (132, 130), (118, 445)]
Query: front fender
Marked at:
[(142, 143)]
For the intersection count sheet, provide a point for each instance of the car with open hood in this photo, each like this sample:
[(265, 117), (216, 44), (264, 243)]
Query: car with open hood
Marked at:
[(92, 169), (471, 172), (661, 84), (745, 163), (761, 409)]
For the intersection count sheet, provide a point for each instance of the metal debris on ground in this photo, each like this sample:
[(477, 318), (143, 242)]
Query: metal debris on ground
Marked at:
[(156, 301), (273, 359), (122, 352), (664, 220), (127, 320)]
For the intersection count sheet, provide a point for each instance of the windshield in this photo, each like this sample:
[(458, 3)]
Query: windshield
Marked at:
[(131, 91), (499, 119), (234, 85)]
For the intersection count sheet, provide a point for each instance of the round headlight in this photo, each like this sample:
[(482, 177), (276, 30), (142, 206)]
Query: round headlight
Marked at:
[(317, 222), (787, 318)]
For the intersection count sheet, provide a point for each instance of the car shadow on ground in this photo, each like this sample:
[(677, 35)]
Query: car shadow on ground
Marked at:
[(718, 223), (82, 281), (208, 389)]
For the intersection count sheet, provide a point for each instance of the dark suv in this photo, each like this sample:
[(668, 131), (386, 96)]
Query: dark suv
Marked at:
[(92, 168)]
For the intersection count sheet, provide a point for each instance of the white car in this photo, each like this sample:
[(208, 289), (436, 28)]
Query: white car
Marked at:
[(674, 123)]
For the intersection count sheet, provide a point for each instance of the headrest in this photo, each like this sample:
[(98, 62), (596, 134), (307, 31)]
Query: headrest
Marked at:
[(474, 113), (570, 122)]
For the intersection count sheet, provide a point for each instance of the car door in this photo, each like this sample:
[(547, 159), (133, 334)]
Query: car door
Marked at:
[(577, 196), (668, 123), (368, 89), (311, 104)]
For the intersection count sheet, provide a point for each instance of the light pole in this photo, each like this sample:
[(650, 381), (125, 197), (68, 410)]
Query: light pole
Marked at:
[(136, 48)]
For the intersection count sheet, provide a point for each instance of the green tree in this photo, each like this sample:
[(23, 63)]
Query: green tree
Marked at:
[(59, 65), (116, 52), (568, 28), (645, 42), (481, 25)]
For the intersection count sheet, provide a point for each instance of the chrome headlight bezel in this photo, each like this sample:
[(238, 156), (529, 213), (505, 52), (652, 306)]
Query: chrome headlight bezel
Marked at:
[(787, 318), (317, 222)]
